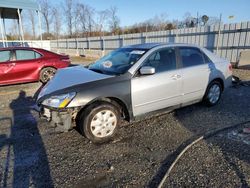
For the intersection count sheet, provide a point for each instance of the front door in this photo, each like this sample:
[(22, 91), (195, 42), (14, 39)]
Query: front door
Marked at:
[(160, 90), (26, 65), (6, 66)]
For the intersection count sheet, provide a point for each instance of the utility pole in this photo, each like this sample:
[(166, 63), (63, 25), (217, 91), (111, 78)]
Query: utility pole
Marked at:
[(40, 25), (219, 34), (197, 21), (20, 25), (2, 29)]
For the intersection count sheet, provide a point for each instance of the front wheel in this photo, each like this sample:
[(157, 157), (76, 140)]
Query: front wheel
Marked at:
[(213, 93), (46, 74), (99, 122)]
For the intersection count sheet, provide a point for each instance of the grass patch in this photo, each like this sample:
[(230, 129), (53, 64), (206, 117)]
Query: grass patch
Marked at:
[(82, 60)]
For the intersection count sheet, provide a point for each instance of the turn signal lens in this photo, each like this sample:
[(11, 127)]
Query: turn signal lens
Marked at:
[(64, 103)]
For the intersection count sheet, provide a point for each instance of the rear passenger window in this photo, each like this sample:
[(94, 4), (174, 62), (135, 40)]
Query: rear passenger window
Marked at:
[(163, 60), (26, 54), (4, 56), (207, 60), (191, 57), (37, 55)]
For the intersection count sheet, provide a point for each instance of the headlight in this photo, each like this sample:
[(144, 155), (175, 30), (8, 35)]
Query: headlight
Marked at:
[(59, 101)]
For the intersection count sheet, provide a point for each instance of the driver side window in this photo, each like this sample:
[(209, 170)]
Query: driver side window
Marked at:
[(4, 56), (162, 60), (26, 55)]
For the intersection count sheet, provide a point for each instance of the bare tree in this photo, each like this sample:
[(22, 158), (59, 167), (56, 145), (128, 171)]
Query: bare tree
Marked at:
[(14, 30), (213, 20), (102, 20), (114, 20), (68, 8), (31, 17), (90, 12), (177, 24), (57, 21), (82, 17), (46, 11), (76, 18), (189, 20), (158, 22)]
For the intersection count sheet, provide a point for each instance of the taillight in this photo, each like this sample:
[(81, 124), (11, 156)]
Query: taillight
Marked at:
[(230, 67), (65, 60)]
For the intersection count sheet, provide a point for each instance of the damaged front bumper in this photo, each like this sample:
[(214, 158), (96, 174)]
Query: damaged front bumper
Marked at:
[(61, 118)]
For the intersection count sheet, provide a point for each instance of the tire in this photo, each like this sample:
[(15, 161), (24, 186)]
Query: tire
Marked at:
[(99, 122), (213, 93), (46, 74)]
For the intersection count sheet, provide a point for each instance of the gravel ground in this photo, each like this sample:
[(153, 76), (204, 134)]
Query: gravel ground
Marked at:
[(33, 154)]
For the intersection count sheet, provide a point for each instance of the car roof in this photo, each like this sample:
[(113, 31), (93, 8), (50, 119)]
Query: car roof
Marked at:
[(148, 46), (145, 46)]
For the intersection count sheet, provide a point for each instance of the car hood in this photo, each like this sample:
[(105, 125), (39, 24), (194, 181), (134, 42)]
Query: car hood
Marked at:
[(68, 77)]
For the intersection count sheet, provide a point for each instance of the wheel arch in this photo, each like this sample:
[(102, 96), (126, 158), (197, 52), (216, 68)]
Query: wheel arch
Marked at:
[(122, 107), (205, 98), (220, 80), (47, 66)]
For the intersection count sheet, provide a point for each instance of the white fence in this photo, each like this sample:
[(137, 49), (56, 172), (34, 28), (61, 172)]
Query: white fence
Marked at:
[(233, 38), (45, 44)]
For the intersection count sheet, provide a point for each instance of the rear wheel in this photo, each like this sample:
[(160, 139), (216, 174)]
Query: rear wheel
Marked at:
[(46, 74), (213, 93), (99, 122)]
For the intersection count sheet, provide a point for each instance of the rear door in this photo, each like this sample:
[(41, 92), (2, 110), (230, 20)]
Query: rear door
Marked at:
[(160, 90), (195, 73), (27, 63), (6, 66)]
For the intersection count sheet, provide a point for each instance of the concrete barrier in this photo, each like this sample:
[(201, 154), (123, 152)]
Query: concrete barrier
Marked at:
[(81, 52), (244, 60)]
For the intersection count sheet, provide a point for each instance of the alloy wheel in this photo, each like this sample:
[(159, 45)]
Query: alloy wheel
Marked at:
[(214, 93)]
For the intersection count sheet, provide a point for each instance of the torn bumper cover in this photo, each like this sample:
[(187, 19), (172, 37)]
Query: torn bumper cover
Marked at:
[(62, 118)]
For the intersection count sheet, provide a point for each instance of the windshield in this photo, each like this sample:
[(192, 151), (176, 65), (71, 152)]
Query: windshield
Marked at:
[(118, 61)]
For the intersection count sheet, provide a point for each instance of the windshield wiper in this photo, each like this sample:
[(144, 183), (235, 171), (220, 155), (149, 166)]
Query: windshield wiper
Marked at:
[(104, 72), (96, 70)]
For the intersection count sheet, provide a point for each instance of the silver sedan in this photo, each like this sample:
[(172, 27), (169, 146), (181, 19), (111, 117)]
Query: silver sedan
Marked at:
[(133, 81)]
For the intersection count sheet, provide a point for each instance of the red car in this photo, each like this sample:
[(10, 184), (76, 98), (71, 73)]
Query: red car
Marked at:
[(25, 64)]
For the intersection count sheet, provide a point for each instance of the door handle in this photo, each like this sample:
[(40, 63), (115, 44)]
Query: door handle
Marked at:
[(176, 77)]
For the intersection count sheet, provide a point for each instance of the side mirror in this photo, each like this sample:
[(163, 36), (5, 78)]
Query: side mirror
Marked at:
[(147, 70)]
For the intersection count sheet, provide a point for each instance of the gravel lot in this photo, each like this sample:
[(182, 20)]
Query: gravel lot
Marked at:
[(34, 154)]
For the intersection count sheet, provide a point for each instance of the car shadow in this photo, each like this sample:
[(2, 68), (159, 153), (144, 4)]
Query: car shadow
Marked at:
[(26, 155), (3, 142)]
